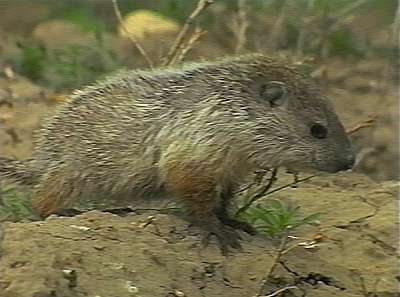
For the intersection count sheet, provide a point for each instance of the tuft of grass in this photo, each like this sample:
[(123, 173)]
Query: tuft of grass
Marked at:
[(84, 17), (68, 68), (77, 65), (15, 205), (31, 60), (276, 218)]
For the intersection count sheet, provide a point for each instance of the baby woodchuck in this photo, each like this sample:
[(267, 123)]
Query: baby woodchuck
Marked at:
[(193, 132)]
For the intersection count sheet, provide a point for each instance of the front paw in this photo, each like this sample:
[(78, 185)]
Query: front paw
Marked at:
[(238, 225), (227, 237)]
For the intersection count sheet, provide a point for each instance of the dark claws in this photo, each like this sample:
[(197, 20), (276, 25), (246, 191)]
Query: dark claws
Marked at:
[(227, 238), (238, 225)]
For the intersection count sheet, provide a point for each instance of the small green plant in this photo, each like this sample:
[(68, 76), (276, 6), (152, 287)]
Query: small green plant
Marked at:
[(67, 68), (15, 205), (276, 218), (83, 16), (77, 65), (31, 60)]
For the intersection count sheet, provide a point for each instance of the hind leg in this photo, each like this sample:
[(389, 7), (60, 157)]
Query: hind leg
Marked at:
[(196, 187), (54, 192)]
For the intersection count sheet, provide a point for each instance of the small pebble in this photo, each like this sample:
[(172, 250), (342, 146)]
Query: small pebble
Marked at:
[(131, 288), (83, 228), (179, 293)]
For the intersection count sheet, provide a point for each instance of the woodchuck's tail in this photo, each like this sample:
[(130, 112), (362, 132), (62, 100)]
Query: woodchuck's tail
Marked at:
[(17, 171)]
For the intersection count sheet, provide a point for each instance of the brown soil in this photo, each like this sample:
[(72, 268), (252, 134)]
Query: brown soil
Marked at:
[(152, 254)]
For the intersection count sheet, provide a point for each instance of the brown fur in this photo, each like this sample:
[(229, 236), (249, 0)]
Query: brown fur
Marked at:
[(55, 192), (196, 189)]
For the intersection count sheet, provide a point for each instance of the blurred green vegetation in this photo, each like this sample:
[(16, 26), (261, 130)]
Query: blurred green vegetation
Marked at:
[(31, 61), (15, 205), (332, 27), (68, 68), (83, 17)]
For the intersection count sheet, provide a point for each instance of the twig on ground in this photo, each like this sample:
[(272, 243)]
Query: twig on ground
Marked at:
[(365, 123), (182, 35), (278, 256), (287, 250), (130, 36), (280, 291), (275, 261)]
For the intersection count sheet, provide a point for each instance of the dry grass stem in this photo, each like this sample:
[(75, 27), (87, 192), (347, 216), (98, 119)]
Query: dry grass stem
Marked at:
[(240, 26), (131, 37), (352, 6), (342, 16), (390, 68), (182, 35), (276, 293), (188, 46), (276, 260), (395, 26), (260, 193), (304, 29), (279, 253), (277, 29), (258, 178), (265, 191), (300, 180), (365, 123)]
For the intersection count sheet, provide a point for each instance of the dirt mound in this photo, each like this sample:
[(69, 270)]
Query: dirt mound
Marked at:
[(153, 254)]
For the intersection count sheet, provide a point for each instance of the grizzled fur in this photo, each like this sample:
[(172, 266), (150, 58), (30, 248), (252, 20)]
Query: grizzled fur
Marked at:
[(194, 133)]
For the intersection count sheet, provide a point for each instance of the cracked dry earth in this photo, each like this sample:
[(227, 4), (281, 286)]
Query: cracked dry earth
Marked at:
[(158, 255)]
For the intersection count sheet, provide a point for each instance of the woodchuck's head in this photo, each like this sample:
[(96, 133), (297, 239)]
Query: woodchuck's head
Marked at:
[(295, 125)]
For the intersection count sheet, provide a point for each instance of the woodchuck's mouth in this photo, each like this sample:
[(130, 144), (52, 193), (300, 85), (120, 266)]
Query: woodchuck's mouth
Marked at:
[(342, 165)]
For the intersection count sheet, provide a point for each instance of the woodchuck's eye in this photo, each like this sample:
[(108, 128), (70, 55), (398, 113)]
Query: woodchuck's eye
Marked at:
[(274, 92), (318, 131)]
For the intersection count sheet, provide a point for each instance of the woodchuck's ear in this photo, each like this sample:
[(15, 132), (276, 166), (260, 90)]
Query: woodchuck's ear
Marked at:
[(274, 92)]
